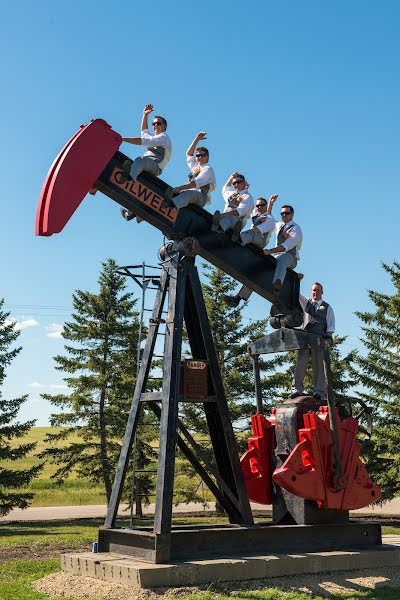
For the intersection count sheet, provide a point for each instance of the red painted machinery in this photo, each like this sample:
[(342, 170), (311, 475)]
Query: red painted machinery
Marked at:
[(308, 470)]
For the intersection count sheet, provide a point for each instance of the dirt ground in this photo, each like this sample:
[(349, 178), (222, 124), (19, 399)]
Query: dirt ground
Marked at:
[(62, 584)]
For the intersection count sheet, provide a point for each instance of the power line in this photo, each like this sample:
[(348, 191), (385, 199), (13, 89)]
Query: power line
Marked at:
[(39, 306)]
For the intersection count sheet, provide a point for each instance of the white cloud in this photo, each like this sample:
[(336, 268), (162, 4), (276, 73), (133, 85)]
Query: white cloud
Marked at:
[(36, 385), (54, 330), (23, 324)]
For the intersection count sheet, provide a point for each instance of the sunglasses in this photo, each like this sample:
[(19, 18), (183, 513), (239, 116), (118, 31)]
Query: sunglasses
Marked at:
[(237, 181), (285, 213), (156, 123), (260, 205), (201, 155)]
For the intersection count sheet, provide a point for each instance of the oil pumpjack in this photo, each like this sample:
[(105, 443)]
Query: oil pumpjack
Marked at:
[(304, 458)]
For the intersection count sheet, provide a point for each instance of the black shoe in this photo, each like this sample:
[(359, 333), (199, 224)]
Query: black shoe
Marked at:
[(317, 396), (127, 214), (126, 170), (167, 198), (215, 221), (295, 395), (236, 231), (232, 301), (277, 287)]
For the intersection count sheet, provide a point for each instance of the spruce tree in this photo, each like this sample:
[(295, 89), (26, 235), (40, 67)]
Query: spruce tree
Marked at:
[(11, 479), (378, 371), (100, 369)]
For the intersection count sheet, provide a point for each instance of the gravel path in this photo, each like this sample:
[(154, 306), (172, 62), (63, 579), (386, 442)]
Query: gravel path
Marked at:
[(49, 513)]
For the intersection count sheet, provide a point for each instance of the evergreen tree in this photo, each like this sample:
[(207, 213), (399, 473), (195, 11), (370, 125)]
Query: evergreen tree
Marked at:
[(100, 367), (11, 480), (379, 373)]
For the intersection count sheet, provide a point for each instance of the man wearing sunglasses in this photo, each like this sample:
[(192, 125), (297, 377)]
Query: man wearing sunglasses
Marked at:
[(288, 238), (238, 206), (318, 319), (263, 224), (288, 241), (201, 178), (157, 156)]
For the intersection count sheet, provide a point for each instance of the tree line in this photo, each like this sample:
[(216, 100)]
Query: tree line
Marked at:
[(99, 366)]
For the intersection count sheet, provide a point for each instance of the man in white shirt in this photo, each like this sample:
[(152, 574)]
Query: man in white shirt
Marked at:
[(201, 178), (288, 238), (157, 156), (288, 241), (263, 224), (238, 206), (320, 320)]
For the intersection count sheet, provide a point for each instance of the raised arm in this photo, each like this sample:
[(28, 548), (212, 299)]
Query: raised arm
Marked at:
[(200, 136), (148, 108), (230, 179), (137, 141), (271, 203)]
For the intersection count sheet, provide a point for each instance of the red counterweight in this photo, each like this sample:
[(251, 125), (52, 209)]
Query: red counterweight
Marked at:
[(309, 469), (73, 174), (256, 461)]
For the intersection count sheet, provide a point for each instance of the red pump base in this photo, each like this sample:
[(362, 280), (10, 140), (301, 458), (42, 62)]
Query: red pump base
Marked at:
[(256, 461), (308, 471)]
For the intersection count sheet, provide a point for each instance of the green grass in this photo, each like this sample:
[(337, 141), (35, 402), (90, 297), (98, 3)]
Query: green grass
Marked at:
[(16, 578), (276, 594), (72, 533)]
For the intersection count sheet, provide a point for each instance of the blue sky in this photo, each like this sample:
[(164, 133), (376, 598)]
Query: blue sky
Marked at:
[(301, 96)]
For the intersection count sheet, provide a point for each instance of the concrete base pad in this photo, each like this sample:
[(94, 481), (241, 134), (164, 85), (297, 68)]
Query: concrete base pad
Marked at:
[(118, 568)]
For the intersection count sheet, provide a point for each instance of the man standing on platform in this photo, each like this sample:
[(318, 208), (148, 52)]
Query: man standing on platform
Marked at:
[(157, 156), (320, 320), (238, 207), (201, 178)]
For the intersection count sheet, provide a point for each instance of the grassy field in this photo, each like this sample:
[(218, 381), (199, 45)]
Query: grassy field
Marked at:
[(74, 491)]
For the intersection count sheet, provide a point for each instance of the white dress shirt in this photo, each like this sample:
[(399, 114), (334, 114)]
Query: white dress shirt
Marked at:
[(160, 140), (330, 317), (246, 204), (294, 238), (267, 225), (205, 176)]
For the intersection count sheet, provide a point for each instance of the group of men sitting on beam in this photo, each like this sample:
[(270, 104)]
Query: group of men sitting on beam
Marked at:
[(239, 203), (239, 208)]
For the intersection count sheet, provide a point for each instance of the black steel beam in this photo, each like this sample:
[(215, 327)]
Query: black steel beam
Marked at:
[(170, 392), (221, 430), (198, 542), (247, 264), (283, 340)]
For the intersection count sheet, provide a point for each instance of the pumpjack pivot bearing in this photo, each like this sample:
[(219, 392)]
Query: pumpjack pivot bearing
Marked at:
[(279, 319), (189, 247)]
